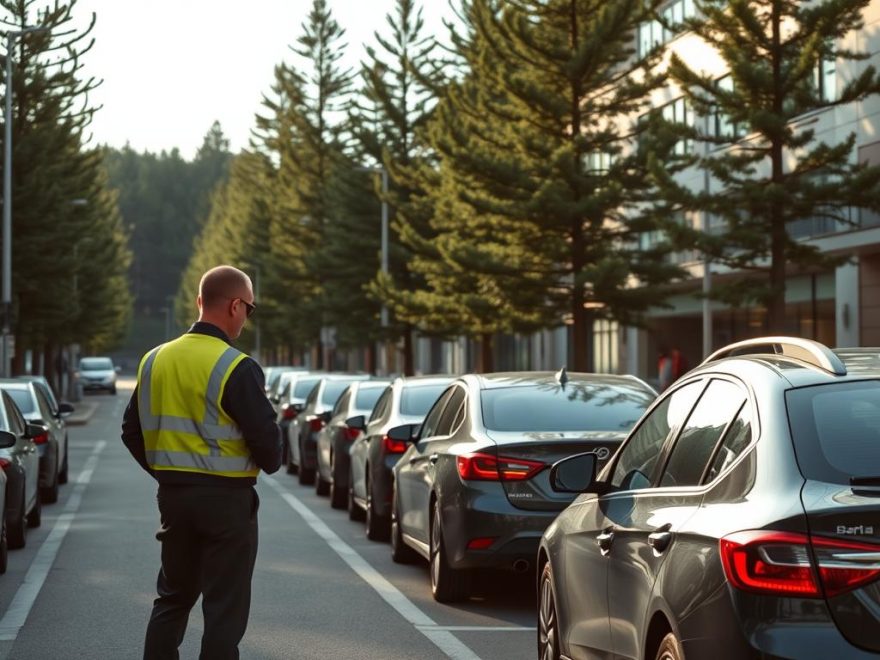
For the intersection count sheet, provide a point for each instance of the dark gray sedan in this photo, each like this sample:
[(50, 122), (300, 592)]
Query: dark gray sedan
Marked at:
[(472, 490)]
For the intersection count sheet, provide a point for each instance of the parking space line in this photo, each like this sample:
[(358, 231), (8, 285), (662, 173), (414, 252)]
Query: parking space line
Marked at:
[(441, 637), (479, 628), (14, 618)]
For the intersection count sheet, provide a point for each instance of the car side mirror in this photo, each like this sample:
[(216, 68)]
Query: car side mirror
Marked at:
[(405, 433), (358, 423), (298, 407), (65, 408), (117, 369), (33, 430), (275, 399), (326, 415), (7, 439), (575, 474)]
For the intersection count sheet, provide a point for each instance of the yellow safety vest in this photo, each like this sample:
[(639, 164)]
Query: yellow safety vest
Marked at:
[(180, 385)]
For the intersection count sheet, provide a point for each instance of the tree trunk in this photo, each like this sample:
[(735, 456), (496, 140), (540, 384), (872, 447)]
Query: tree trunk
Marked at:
[(409, 368), (487, 358), (776, 300)]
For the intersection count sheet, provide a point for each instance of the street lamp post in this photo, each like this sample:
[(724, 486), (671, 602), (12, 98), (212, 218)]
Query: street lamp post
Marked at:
[(7, 196)]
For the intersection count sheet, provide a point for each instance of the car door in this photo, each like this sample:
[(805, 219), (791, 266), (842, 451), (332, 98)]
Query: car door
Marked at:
[(591, 538), (647, 524), (56, 426), (360, 449), (411, 476), (26, 450)]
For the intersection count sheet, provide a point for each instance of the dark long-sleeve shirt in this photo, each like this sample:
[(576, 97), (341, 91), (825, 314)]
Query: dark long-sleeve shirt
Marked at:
[(245, 402)]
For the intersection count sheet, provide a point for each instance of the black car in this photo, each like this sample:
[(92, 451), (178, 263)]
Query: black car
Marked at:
[(373, 453), (289, 403), (740, 519), (303, 432), (473, 492), (334, 440)]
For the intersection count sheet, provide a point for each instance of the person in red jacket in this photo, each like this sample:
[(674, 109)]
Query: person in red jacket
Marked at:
[(671, 365)]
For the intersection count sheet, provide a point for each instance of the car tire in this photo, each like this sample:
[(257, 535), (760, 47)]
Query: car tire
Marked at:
[(670, 648), (548, 626), (62, 476), (49, 494), (35, 517), (306, 475), (378, 527), (17, 531), (4, 548), (113, 390), (355, 513), (291, 466), (401, 553), (322, 486), (338, 494), (448, 585)]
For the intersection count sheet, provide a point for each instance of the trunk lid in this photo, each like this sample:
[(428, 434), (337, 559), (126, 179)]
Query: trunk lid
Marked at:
[(535, 494)]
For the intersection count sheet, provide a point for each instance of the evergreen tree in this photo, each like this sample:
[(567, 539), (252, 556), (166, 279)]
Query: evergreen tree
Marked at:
[(775, 172)]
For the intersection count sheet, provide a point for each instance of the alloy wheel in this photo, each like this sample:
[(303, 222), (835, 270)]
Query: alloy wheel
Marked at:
[(548, 646)]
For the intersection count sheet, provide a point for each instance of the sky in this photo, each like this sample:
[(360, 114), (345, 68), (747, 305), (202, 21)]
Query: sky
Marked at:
[(171, 67)]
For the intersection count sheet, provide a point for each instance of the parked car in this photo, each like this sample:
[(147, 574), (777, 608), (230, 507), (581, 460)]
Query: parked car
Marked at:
[(51, 444), (6, 440), (43, 382), (297, 385), (473, 492), (98, 373), (20, 463), (303, 432), (272, 374), (373, 453), (334, 440), (738, 520)]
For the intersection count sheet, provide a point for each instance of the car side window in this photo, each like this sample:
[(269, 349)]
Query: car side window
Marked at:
[(43, 404), (736, 439), (381, 405), (50, 400), (342, 404), (638, 457), (313, 395), (450, 413), (699, 436), (429, 426), (16, 421)]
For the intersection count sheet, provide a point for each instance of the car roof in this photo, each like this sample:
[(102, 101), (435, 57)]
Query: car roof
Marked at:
[(415, 381), (532, 378)]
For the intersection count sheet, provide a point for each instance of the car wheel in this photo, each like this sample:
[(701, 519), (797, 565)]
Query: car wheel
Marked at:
[(338, 494), (548, 630), (401, 553), (113, 390), (291, 466), (306, 475), (670, 648), (62, 476), (322, 486), (49, 494), (4, 548), (448, 585), (377, 527), (17, 533), (354, 511), (35, 517)]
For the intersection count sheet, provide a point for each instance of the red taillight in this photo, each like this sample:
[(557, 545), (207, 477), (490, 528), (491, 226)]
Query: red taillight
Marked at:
[(5, 463), (289, 412), (482, 543), (393, 446), (41, 439), (350, 433), (485, 467), (782, 563), (316, 423)]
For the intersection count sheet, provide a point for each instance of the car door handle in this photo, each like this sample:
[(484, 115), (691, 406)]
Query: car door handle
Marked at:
[(660, 540), (605, 539), (433, 458)]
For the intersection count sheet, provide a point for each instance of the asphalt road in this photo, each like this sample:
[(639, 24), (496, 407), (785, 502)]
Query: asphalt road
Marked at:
[(83, 586)]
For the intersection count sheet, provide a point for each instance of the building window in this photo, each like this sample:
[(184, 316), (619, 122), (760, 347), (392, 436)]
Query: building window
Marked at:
[(825, 79), (653, 33), (680, 112), (598, 162), (606, 351), (724, 127)]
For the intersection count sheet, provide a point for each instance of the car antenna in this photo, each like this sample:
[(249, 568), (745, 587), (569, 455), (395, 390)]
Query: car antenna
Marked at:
[(562, 377)]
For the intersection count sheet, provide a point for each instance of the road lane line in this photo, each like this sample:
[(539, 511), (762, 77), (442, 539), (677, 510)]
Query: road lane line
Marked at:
[(14, 618), (448, 643), (480, 628)]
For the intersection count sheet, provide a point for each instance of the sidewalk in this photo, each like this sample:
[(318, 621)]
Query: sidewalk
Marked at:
[(83, 411)]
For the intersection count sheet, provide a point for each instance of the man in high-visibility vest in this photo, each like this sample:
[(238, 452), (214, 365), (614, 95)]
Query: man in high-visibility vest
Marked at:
[(200, 424)]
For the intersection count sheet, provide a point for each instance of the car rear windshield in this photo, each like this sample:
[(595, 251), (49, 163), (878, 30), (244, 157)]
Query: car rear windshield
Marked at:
[(96, 364), (367, 396), (578, 407), (836, 430), (417, 401), (23, 400), (303, 387), (333, 390)]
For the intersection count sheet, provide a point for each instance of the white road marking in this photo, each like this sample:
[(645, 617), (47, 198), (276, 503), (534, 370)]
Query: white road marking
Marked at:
[(479, 628), (441, 637), (27, 593)]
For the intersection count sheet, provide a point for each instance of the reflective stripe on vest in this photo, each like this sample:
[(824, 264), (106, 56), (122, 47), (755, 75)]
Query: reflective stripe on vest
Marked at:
[(171, 433)]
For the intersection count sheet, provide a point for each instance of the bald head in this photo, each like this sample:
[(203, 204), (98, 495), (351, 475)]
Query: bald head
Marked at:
[(222, 284)]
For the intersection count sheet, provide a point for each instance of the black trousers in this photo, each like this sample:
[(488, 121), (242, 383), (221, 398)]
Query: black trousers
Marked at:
[(209, 546)]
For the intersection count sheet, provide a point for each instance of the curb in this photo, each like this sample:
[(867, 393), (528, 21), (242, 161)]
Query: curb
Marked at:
[(82, 414)]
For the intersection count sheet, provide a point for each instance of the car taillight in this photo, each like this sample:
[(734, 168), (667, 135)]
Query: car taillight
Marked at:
[(316, 423), (41, 439), (5, 463), (789, 564), (485, 467), (393, 446), (350, 433), (289, 412)]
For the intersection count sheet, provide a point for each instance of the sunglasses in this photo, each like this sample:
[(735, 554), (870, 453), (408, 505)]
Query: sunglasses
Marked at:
[(250, 309)]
